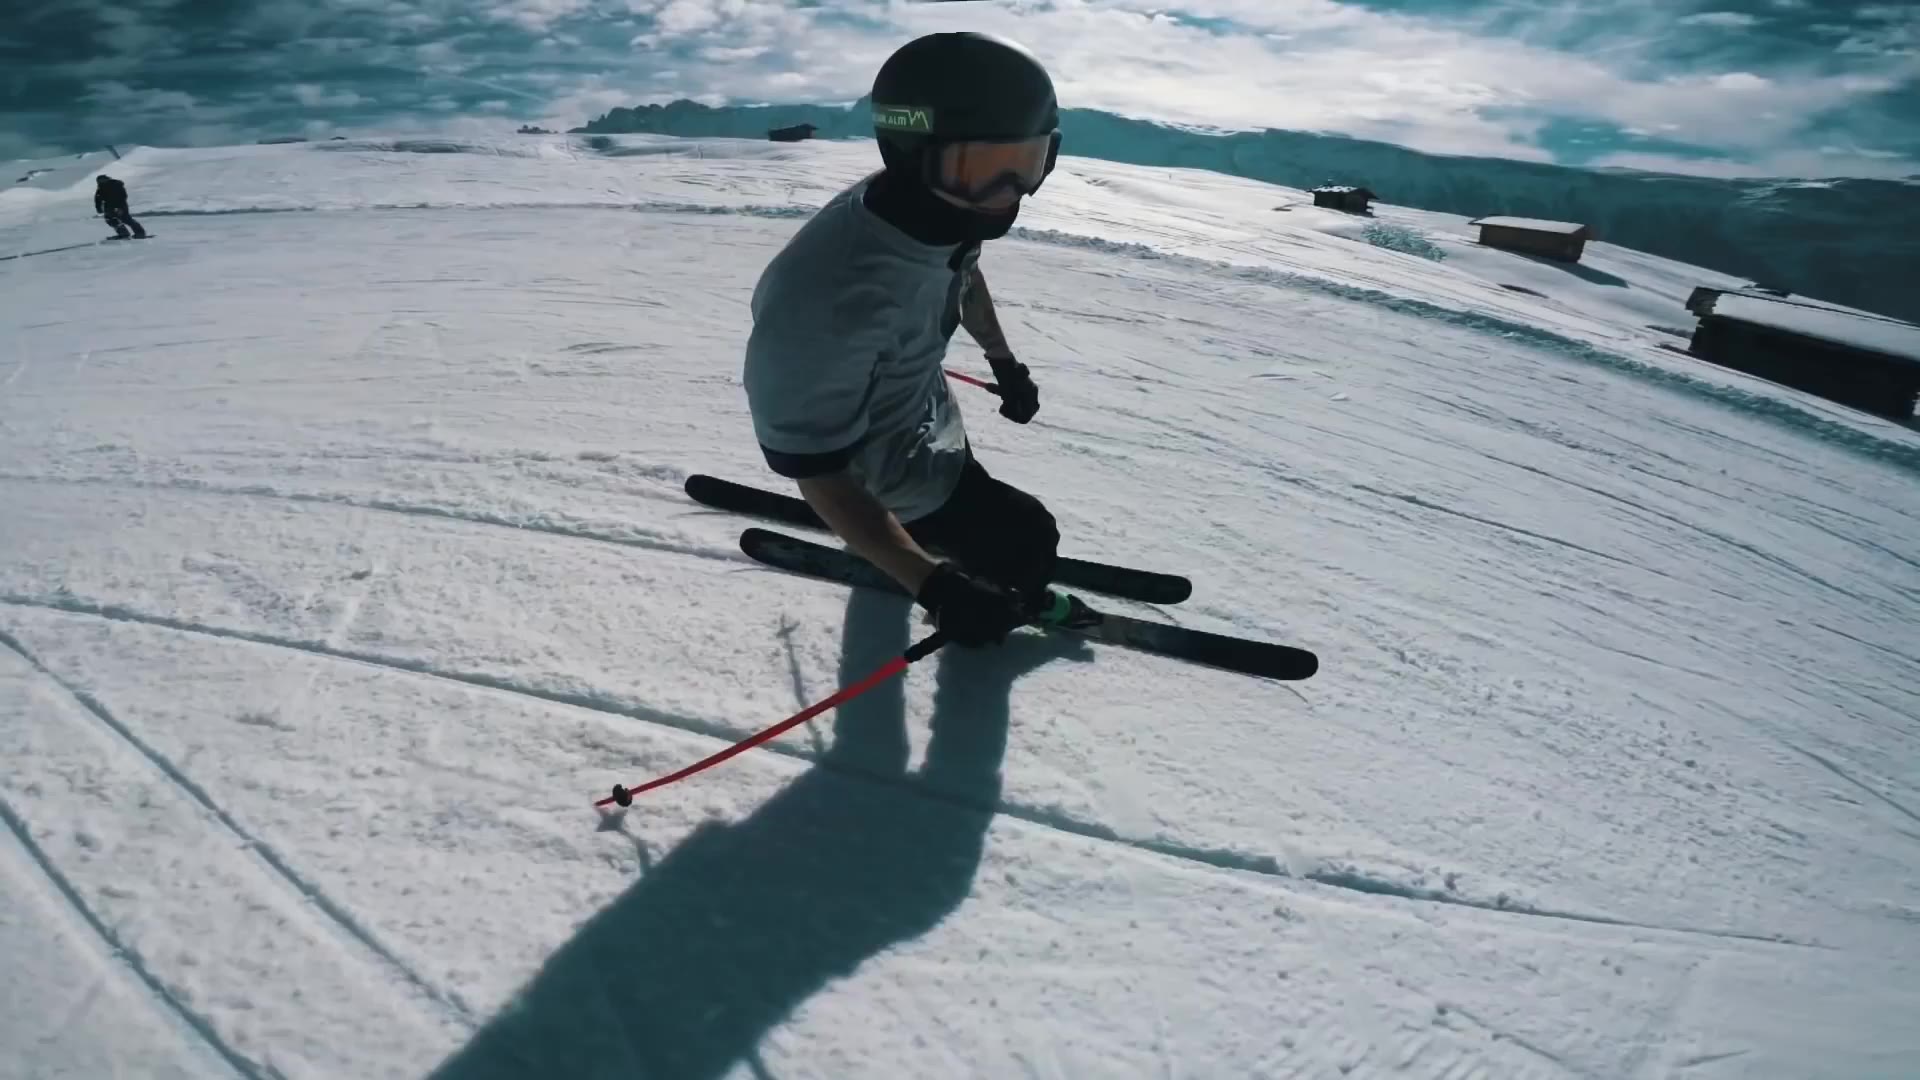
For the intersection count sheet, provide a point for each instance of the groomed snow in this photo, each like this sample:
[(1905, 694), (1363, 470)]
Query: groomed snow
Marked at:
[(343, 563)]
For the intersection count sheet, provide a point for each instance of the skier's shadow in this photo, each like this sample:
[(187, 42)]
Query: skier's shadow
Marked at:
[(682, 975)]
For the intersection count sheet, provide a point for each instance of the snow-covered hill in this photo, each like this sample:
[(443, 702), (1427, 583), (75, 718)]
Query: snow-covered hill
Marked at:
[(1852, 240), (343, 563)]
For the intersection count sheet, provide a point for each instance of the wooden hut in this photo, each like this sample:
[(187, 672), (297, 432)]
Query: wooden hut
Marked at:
[(1563, 240), (1854, 357), (792, 134), (1346, 197)]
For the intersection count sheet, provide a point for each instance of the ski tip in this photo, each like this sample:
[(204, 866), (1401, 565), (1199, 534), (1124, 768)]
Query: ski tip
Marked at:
[(754, 539)]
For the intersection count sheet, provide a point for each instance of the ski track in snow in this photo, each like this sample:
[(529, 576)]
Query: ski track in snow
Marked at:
[(349, 926), (1555, 1060), (1222, 859), (49, 251), (633, 537), (1857, 782), (128, 958), (1415, 500)]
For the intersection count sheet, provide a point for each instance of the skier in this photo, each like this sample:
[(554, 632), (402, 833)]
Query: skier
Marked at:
[(851, 322), (110, 199)]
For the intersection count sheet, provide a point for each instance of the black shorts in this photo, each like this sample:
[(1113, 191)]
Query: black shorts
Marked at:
[(993, 530)]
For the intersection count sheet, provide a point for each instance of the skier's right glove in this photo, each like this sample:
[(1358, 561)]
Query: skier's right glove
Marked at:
[(969, 610), (1019, 398)]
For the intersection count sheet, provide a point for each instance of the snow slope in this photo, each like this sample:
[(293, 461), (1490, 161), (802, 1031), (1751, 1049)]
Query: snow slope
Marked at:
[(343, 562)]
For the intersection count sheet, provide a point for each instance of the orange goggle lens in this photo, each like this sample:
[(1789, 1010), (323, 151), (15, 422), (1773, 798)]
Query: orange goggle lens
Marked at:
[(976, 170)]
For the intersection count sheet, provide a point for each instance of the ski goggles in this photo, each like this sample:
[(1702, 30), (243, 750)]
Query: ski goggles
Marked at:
[(977, 170)]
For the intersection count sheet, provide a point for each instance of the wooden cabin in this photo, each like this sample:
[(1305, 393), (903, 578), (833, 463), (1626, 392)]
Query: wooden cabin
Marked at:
[(1854, 357), (1563, 240), (1353, 200), (792, 134)]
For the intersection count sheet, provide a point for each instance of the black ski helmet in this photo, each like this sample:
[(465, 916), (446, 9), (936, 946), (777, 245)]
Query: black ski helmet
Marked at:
[(959, 86)]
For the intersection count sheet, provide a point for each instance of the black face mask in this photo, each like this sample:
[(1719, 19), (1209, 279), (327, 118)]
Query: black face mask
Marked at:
[(912, 207)]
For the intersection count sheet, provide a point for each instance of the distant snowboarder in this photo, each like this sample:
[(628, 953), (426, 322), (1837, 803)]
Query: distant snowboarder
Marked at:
[(851, 324), (110, 199)]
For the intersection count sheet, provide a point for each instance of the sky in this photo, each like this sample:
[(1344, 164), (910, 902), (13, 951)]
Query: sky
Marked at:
[(1715, 87)]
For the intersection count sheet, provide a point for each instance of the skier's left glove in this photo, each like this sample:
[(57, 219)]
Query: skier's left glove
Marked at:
[(971, 611), (1019, 398)]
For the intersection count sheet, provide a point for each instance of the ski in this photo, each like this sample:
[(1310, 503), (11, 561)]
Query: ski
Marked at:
[(1258, 658), (1146, 586)]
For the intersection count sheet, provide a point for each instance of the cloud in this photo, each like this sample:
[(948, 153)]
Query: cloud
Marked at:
[(314, 96), (720, 54), (1726, 20), (1741, 80), (1758, 82), (1885, 32), (1817, 161), (682, 17), (535, 16), (121, 97)]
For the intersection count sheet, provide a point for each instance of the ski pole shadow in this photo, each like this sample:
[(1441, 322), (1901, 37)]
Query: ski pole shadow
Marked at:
[(722, 939)]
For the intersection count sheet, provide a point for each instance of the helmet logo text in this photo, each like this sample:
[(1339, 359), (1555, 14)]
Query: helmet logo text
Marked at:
[(903, 118)]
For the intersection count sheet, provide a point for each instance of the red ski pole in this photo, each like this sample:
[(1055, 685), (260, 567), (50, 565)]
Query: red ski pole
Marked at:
[(624, 795), (987, 386)]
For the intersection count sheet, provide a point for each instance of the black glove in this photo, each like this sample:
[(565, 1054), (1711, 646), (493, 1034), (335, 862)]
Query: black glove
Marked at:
[(969, 610), (1019, 398)]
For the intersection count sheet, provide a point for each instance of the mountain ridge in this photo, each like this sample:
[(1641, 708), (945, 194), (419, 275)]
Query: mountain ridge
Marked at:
[(1848, 240)]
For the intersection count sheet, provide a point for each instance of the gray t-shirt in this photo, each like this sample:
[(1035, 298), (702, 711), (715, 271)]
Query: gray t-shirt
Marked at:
[(850, 325)]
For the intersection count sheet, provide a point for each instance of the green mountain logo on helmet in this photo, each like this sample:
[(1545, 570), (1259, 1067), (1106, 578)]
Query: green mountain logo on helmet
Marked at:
[(903, 118)]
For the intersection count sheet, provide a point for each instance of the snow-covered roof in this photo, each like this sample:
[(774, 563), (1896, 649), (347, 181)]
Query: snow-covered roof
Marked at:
[(1567, 228), (1860, 331)]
